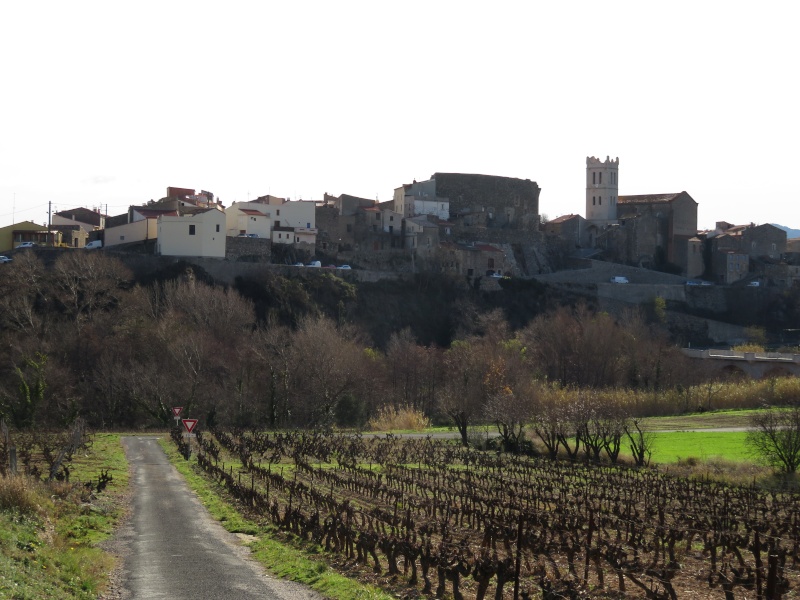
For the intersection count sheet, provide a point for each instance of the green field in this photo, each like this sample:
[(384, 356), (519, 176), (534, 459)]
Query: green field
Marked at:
[(679, 446)]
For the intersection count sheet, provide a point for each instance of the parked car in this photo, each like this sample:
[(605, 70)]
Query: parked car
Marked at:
[(345, 267), (619, 279), (754, 284), (299, 265), (255, 235), (27, 245), (314, 263), (4, 259), (242, 235), (94, 244)]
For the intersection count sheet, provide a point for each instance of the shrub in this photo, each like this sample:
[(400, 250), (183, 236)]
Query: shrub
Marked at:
[(405, 418)]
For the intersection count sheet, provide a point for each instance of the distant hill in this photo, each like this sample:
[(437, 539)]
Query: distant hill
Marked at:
[(790, 233)]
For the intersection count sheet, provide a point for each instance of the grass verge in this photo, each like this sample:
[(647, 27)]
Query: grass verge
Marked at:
[(49, 532), (300, 562)]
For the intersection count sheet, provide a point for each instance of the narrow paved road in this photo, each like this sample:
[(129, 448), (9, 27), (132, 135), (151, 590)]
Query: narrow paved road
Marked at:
[(173, 549)]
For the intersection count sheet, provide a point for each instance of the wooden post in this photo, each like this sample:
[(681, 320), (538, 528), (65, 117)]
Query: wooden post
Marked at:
[(518, 561)]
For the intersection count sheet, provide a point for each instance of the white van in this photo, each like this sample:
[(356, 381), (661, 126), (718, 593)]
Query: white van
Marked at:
[(94, 244), (619, 279)]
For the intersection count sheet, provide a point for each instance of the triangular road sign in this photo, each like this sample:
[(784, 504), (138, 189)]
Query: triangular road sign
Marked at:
[(189, 424), (177, 410)]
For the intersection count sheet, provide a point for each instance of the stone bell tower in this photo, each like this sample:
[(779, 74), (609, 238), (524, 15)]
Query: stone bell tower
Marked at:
[(601, 190)]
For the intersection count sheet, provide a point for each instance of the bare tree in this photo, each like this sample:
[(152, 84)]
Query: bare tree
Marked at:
[(329, 367), (22, 288), (775, 437), (640, 440), (460, 396), (86, 281), (278, 368)]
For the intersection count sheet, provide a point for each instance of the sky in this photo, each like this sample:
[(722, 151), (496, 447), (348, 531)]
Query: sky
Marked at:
[(106, 104)]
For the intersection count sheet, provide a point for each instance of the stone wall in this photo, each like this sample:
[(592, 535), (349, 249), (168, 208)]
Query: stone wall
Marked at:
[(248, 249), (510, 201)]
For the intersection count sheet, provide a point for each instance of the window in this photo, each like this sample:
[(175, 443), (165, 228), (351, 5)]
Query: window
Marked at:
[(217, 227), (349, 228), (278, 212), (378, 216), (599, 178), (308, 225), (391, 217), (191, 229), (594, 201), (594, 175), (600, 200)]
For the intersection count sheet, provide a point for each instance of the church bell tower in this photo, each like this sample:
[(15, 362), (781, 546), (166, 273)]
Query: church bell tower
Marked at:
[(601, 189)]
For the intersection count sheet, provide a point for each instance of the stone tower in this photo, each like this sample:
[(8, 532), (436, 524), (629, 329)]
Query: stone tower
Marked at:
[(601, 189)]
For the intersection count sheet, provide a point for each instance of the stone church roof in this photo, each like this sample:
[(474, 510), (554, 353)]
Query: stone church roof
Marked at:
[(648, 198)]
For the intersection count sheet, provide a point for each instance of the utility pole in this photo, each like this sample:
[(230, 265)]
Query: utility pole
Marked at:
[(49, 221)]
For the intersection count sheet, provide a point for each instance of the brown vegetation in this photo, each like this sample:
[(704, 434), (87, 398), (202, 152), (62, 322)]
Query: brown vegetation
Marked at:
[(84, 337)]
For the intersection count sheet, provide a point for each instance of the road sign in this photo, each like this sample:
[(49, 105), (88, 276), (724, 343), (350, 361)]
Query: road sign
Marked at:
[(189, 424), (176, 411)]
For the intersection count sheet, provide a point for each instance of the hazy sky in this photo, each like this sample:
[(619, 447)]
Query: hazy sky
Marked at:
[(108, 103)]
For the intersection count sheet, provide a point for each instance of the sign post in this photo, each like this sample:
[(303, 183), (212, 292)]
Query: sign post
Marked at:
[(176, 412)]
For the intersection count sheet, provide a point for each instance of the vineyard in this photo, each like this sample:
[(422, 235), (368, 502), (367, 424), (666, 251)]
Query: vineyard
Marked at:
[(433, 518)]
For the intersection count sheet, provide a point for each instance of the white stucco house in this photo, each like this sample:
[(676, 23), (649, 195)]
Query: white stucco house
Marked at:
[(291, 222), (195, 233), (142, 226), (248, 218)]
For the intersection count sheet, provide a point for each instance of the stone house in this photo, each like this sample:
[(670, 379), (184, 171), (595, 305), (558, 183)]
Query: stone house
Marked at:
[(571, 228), (472, 260), (755, 240), (730, 267), (421, 235)]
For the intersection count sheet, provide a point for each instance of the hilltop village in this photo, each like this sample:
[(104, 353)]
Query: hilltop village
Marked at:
[(482, 227)]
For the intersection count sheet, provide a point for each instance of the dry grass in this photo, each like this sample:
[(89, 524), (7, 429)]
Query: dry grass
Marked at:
[(20, 494), (405, 418)]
